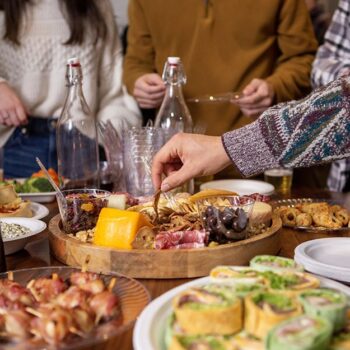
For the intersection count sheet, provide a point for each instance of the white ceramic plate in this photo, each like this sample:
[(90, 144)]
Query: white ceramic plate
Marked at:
[(329, 257), (41, 197), (242, 187), (150, 326), (13, 245), (39, 210)]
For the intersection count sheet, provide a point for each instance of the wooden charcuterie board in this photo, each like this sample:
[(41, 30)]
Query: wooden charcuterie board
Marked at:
[(142, 263)]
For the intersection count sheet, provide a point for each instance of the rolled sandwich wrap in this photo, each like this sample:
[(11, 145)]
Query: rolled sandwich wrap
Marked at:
[(326, 303), (341, 341), (240, 290), (274, 263), (264, 310), (245, 341), (201, 342), (300, 333), (291, 283), (236, 275), (200, 311)]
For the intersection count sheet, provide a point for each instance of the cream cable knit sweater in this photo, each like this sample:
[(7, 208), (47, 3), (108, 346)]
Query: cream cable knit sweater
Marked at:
[(36, 68)]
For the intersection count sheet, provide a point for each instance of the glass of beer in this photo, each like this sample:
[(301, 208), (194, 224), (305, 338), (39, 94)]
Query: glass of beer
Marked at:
[(281, 178)]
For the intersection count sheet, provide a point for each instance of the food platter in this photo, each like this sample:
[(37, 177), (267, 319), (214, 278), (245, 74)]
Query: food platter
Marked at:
[(146, 263), (150, 326), (295, 202), (133, 299)]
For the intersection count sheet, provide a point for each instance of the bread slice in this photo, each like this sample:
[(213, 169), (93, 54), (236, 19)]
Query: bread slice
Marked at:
[(7, 194)]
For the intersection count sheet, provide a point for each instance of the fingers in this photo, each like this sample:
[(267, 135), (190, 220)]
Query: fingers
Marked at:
[(149, 90), (258, 97), (155, 80), (177, 178), (252, 87), (12, 111), (22, 115), (160, 164)]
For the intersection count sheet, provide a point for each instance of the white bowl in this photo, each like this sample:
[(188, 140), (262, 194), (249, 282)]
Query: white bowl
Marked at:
[(12, 245)]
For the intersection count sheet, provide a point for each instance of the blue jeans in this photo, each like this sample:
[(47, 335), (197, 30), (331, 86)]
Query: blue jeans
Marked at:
[(36, 139)]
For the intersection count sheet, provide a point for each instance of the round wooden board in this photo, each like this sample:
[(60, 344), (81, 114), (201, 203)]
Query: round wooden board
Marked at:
[(182, 263)]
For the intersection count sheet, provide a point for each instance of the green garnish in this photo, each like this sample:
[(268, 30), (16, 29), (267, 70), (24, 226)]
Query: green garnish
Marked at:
[(279, 301), (278, 281)]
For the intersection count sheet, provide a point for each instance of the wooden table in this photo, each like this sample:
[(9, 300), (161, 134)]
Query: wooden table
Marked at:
[(37, 254)]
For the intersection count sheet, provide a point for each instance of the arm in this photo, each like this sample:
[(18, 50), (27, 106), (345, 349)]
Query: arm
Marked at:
[(333, 57), (293, 134), (115, 103), (297, 43)]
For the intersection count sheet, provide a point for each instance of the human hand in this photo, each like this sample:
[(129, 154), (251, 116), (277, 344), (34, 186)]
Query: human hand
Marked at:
[(258, 95), (149, 90), (12, 111), (186, 156)]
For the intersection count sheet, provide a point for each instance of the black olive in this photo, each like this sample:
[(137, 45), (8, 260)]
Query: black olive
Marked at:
[(242, 220), (230, 234), (226, 217), (212, 222), (236, 226), (210, 211)]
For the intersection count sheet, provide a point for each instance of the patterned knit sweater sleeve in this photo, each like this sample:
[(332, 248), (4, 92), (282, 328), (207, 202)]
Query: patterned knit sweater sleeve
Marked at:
[(295, 134)]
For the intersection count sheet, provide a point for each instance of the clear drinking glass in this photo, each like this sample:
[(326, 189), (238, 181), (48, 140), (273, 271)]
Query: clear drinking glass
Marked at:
[(281, 178), (139, 147)]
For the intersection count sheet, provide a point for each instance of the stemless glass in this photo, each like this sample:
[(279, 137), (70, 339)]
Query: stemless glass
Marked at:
[(140, 144)]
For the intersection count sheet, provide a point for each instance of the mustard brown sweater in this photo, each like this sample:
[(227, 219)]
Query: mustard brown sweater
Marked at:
[(223, 44)]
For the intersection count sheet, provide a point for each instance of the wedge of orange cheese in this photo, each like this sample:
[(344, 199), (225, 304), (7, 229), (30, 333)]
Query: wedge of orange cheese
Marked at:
[(118, 228)]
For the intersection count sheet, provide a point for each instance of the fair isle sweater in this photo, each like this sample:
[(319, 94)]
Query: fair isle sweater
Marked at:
[(295, 134), (36, 69)]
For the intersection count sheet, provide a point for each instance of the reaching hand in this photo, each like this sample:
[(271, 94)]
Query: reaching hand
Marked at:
[(149, 90), (258, 96), (12, 111), (186, 156)]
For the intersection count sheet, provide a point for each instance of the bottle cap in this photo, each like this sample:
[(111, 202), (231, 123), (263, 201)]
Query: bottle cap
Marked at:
[(73, 61), (174, 60)]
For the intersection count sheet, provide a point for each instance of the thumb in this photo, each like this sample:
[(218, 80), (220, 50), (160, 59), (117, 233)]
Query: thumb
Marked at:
[(154, 79), (252, 87), (177, 178)]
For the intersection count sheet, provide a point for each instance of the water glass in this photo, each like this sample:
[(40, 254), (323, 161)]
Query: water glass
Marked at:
[(281, 178), (139, 147)]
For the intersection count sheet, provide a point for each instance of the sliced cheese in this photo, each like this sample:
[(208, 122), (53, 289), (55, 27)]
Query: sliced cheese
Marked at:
[(118, 228)]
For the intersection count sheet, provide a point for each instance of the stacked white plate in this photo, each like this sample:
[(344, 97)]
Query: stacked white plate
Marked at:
[(329, 257)]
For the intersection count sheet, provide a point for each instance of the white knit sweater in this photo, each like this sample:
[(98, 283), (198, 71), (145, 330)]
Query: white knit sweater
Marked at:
[(36, 68)]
